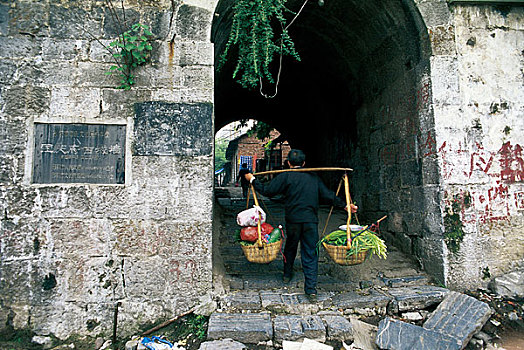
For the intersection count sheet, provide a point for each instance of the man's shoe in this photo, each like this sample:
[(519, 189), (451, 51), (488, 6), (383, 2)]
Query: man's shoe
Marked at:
[(312, 297)]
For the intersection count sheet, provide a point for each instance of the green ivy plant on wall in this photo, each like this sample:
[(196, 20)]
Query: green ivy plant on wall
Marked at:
[(133, 49), (252, 32)]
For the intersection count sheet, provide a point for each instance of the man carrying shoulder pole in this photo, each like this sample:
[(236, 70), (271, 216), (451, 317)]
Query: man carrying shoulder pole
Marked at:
[(302, 192)]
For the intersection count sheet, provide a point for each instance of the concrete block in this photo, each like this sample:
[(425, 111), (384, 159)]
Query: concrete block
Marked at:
[(397, 335), (245, 328), (299, 327)]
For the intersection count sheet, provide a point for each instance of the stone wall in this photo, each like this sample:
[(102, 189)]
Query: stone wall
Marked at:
[(71, 252), (478, 94)]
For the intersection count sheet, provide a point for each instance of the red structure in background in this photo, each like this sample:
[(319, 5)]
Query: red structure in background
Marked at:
[(260, 155)]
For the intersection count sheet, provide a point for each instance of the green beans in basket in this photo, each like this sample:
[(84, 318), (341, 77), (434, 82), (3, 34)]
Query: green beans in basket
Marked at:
[(362, 241)]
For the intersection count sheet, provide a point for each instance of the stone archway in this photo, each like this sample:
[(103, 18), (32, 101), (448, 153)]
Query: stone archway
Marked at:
[(360, 98)]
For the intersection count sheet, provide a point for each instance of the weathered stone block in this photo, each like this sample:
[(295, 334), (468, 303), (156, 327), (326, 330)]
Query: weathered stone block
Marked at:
[(445, 81), (197, 77), (459, 316), (299, 327), (338, 328), (75, 22), (158, 20), (64, 50), (75, 102), (173, 129), (418, 297), (193, 23), (98, 52), (225, 344), (4, 20), (195, 53), (17, 276), (443, 40), (364, 334), (246, 328), (351, 300), (119, 103), (397, 335), (510, 285), (245, 300), (113, 27), (28, 18), (19, 47)]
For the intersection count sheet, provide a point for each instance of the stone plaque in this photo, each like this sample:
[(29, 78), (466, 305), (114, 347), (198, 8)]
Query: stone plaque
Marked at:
[(79, 153), (173, 129)]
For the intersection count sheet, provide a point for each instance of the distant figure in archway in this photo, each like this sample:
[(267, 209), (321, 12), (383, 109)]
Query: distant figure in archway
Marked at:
[(243, 182)]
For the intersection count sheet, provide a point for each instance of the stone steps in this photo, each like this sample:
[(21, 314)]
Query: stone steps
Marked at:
[(260, 308), (271, 316)]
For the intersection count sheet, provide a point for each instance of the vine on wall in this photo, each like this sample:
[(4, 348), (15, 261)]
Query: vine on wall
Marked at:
[(133, 50)]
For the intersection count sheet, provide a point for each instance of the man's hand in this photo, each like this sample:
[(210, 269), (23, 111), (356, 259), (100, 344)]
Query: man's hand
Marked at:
[(354, 208), (248, 177)]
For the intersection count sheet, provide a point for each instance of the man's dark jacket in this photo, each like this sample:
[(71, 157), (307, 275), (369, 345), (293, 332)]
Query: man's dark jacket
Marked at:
[(303, 192)]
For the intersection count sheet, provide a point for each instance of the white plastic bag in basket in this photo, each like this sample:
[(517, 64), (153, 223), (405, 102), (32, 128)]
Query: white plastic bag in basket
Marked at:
[(250, 217)]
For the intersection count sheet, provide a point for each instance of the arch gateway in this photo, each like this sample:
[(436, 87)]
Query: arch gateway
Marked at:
[(107, 194)]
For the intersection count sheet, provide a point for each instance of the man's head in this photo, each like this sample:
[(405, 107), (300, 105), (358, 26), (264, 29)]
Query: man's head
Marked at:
[(244, 165), (296, 157)]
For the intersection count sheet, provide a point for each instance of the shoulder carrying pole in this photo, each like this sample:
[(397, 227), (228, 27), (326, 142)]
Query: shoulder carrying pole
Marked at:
[(259, 229), (348, 204)]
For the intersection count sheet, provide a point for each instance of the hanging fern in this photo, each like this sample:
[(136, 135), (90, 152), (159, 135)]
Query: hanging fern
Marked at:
[(252, 32)]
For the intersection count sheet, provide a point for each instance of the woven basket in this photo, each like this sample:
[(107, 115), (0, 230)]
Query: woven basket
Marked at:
[(340, 256), (264, 254)]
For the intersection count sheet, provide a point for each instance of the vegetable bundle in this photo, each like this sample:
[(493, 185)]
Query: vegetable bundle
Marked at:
[(360, 241), (248, 235)]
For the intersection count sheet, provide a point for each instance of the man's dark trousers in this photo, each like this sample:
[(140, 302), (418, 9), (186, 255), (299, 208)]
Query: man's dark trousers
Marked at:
[(307, 234)]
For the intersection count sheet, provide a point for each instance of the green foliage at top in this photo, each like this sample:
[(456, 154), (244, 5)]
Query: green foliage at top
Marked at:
[(133, 50), (220, 153), (253, 33), (261, 130)]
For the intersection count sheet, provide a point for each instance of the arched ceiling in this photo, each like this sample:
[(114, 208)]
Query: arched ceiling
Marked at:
[(348, 48)]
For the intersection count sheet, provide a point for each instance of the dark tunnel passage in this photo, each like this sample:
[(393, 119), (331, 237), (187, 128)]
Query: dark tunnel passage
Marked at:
[(359, 98)]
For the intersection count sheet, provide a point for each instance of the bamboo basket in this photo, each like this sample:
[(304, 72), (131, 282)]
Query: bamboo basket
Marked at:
[(261, 252), (339, 254)]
